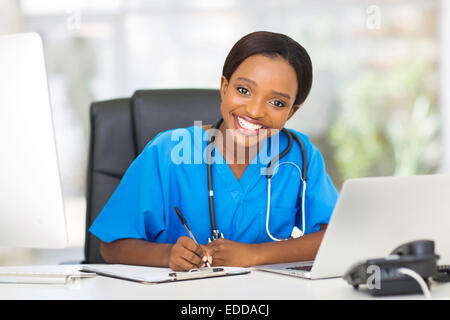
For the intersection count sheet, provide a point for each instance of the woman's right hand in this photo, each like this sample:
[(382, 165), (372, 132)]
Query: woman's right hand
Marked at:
[(185, 255)]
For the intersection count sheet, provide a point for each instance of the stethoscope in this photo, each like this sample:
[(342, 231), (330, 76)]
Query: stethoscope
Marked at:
[(296, 233)]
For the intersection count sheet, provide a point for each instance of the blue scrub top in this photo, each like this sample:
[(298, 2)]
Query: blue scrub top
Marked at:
[(171, 171)]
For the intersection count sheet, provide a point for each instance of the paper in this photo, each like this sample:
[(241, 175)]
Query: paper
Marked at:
[(158, 275), (42, 274)]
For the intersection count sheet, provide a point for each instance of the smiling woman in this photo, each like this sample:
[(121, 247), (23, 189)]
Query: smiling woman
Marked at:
[(266, 77), (264, 103), (257, 97), (273, 45)]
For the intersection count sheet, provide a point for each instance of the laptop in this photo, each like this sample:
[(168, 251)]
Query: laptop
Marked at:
[(372, 217)]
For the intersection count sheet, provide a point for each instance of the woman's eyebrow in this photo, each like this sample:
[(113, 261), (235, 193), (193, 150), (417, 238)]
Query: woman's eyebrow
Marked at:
[(282, 94), (248, 80)]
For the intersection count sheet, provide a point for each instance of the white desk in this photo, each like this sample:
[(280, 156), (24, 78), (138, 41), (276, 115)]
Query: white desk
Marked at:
[(257, 285)]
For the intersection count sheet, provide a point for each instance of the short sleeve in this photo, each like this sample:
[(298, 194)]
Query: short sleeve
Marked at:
[(321, 194), (136, 209)]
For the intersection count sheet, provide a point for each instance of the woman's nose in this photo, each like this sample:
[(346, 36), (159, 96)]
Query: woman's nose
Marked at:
[(256, 109)]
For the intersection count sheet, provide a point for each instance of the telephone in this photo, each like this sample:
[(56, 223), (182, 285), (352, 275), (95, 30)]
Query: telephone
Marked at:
[(407, 270), (442, 274)]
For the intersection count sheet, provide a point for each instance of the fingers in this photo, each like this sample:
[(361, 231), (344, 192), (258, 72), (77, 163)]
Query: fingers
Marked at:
[(225, 252), (190, 244), (208, 253), (185, 255), (217, 248), (218, 262), (181, 264)]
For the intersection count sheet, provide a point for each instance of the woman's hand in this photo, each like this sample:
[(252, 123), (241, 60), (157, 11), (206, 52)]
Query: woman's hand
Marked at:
[(231, 253), (185, 255)]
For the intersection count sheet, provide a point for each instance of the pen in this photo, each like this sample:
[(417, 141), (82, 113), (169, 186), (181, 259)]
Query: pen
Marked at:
[(183, 221)]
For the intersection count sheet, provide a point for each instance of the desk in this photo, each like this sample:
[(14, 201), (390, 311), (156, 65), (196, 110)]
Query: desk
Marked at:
[(257, 285)]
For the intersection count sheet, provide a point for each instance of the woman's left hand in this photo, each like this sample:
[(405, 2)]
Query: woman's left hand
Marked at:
[(231, 253)]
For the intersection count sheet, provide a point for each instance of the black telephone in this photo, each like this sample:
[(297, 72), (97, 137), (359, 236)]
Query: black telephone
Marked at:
[(442, 274), (383, 277)]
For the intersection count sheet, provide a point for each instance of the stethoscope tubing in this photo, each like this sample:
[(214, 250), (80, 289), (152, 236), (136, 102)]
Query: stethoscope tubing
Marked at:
[(269, 180), (215, 234)]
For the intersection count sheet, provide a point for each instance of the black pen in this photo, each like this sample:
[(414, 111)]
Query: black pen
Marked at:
[(183, 221)]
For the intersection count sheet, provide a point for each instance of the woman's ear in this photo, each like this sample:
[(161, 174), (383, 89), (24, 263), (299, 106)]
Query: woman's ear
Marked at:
[(223, 86), (294, 109)]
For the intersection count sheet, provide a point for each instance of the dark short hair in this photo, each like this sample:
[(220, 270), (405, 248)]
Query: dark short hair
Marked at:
[(273, 45)]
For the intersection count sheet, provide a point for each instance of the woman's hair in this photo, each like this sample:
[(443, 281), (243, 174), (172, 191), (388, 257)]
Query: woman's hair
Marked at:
[(273, 45)]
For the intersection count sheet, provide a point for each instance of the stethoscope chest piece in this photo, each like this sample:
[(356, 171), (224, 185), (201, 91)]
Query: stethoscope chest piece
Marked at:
[(215, 237), (296, 233)]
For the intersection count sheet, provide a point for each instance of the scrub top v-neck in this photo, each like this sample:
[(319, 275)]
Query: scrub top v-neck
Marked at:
[(171, 171)]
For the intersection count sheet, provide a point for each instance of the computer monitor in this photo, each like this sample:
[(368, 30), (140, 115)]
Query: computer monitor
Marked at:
[(31, 200)]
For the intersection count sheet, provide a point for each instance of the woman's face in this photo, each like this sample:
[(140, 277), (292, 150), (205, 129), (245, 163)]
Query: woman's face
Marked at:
[(258, 99)]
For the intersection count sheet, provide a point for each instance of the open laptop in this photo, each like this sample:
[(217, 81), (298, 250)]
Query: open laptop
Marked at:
[(31, 201), (372, 217)]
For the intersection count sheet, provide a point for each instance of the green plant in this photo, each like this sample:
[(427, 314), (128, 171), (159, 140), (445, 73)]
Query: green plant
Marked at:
[(388, 121)]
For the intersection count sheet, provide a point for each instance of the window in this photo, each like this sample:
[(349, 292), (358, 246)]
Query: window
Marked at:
[(374, 105)]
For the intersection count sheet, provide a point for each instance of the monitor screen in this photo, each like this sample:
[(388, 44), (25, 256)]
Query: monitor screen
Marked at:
[(31, 201)]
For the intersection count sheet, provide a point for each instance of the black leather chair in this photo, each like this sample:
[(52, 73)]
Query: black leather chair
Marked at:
[(121, 128)]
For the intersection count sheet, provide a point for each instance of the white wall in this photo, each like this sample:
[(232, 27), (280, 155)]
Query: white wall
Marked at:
[(10, 17), (445, 83)]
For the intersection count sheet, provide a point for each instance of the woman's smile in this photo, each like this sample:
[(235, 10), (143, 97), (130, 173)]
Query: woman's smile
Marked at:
[(247, 126)]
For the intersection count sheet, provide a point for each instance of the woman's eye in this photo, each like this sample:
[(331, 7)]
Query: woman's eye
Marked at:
[(242, 90), (278, 103)]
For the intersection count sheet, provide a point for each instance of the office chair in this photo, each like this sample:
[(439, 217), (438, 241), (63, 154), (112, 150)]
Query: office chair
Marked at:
[(121, 128)]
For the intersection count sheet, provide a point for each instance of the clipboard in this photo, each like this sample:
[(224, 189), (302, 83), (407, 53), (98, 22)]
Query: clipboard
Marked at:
[(153, 275)]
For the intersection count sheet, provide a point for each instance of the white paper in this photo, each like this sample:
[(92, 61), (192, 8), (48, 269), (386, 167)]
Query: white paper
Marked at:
[(61, 274)]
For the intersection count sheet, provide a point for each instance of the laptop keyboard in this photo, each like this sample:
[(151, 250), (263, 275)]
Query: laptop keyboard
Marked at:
[(301, 268)]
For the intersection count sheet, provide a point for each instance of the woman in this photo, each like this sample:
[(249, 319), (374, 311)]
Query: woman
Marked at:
[(266, 78)]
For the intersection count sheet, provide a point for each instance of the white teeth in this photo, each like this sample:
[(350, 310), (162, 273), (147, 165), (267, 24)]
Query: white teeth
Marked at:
[(248, 125)]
